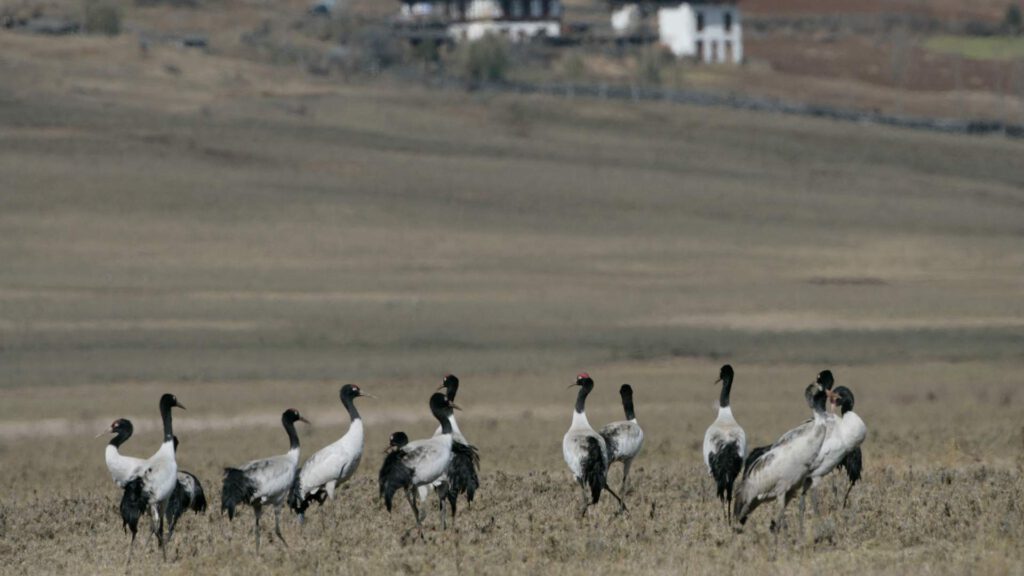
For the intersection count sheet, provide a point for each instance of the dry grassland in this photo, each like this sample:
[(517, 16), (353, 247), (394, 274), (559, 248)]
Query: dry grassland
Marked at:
[(251, 240)]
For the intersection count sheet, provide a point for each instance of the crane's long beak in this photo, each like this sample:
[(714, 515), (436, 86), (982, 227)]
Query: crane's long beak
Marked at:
[(180, 405), (367, 395), (454, 406), (718, 381), (571, 385), (303, 419), (107, 431), (442, 387)]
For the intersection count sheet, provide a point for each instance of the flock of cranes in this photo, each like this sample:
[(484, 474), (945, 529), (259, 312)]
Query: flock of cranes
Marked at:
[(447, 464)]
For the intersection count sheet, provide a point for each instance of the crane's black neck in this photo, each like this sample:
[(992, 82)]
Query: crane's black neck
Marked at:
[(350, 405), (451, 389), (165, 415), (124, 432), (293, 436), (818, 402), (627, 405), (446, 425), (581, 396), (723, 399)]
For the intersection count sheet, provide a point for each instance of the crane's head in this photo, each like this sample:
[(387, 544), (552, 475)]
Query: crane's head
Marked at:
[(450, 385), (350, 391), (121, 427), (168, 401), (725, 374), (843, 398), (291, 416), (583, 380), (397, 440), (825, 379)]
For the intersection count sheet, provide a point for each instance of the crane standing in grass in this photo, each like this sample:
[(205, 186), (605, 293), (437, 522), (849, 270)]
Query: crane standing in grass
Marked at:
[(624, 438), (585, 451), (332, 465), (267, 481), (420, 463), (779, 472), (725, 444)]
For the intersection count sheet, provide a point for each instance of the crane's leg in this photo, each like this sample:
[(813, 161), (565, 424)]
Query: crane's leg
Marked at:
[(625, 475), (172, 521), (586, 500), (257, 511), (622, 505), (277, 524), (846, 498), (415, 509), (154, 520), (160, 533)]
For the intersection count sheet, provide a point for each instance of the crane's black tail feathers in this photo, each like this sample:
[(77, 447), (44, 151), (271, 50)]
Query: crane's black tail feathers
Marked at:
[(752, 457), (134, 503), (853, 464), (725, 467), (300, 503), (394, 475), (186, 497), (238, 489), (595, 473), (462, 473), (198, 497)]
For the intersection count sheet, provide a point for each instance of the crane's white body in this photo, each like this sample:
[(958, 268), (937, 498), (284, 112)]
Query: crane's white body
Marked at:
[(428, 459), (272, 477), (424, 491), (122, 468), (722, 432), (335, 463), (844, 433), (160, 474), (628, 440), (781, 470), (575, 442)]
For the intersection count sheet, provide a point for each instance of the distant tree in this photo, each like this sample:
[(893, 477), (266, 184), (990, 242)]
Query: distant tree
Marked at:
[(1013, 20), (485, 60), (101, 17)]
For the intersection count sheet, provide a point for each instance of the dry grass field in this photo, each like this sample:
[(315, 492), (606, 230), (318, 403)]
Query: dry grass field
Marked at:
[(250, 240)]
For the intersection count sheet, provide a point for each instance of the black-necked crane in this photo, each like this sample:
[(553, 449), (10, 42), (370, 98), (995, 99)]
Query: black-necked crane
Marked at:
[(188, 495), (624, 438), (122, 468), (825, 380), (333, 464), (585, 452), (854, 431), (779, 472), (154, 482), (725, 443), (420, 463), (264, 482), (461, 476), (392, 453)]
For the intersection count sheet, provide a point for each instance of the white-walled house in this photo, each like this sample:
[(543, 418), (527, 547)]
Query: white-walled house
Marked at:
[(473, 19), (708, 30)]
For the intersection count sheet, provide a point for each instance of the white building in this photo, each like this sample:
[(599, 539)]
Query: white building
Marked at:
[(473, 19), (707, 30)]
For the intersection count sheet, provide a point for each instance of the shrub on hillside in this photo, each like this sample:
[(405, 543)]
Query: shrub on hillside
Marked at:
[(1013, 21), (485, 60), (101, 17)]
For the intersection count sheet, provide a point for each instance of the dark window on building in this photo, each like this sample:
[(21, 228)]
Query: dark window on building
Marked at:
[(728, 21), (700, 21)]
